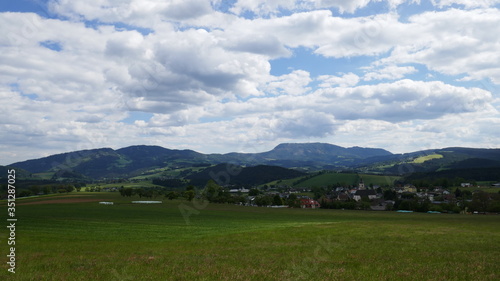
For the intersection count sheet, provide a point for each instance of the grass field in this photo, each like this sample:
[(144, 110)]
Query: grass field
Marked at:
[(422, 159), (72, 237)]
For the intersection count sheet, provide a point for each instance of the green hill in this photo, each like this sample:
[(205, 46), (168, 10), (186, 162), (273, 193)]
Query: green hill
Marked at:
[(141, 160), (234, 174), (345, 179)]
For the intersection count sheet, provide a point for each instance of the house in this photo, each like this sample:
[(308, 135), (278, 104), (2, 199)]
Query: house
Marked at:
[(367, 193), (343, 196), (242, 190), (466, 184), (399, 190), (409, 188), (449, 197), (309, 203)]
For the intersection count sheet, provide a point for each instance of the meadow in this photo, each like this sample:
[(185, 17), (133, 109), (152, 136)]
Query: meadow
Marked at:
[(72, 237)]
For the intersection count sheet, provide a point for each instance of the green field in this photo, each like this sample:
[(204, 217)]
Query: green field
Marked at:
[(181, 240), (422, 159)]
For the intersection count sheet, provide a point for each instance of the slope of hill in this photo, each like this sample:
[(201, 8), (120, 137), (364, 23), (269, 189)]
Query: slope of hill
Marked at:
[(131, 161), (57, 161), (324, 179), (322, 152), (433, 160), (135, 160), (233, 174), (19, 173), (109, 163)]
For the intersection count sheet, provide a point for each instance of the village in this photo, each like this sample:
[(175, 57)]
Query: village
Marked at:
[(406, 198)]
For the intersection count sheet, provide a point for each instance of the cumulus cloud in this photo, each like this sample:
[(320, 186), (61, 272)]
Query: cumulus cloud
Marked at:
[(406, 100), (264, 8), (144, 13), (390, 72), (294, 83), (198, 69), (465, 3), (346, 80), (453, 42)]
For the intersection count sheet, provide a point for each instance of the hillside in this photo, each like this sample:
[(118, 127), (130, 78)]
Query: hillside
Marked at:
[(141, 160), (135, 160), (232, 174), (429, 161), (321, 152), (344, 179), (19, 173)]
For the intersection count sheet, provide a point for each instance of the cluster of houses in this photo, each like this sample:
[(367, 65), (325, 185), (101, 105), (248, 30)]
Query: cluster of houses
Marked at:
[(435, 195)]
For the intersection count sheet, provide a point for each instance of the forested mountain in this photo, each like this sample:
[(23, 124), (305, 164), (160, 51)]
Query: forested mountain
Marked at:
[(136, 160)]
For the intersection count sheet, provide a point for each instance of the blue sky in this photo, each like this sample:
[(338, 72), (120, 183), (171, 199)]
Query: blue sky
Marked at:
[(246, 75)]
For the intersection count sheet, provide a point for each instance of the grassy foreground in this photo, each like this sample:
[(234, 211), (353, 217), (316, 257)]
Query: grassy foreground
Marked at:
[(75, 238)]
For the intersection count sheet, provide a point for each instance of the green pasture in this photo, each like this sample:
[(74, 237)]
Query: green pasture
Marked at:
[(181, 240), (423, 159)]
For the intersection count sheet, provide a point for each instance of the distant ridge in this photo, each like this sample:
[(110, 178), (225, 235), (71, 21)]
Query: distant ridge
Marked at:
[(135, 160)]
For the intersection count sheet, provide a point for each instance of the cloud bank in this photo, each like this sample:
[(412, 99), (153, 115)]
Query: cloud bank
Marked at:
[(218, 77)]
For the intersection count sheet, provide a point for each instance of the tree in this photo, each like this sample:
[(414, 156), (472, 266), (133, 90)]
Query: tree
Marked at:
[(25, 193), (69, 188), (253, 192), (390, 194), (277, 200), (140, 192), (46, 190), (35, 189), (363, 205), (467, 194), (189, 194), (212, 191), (171, 195), (480, 201), (263, 200), (293, 201), (129, 192), (318, 192)]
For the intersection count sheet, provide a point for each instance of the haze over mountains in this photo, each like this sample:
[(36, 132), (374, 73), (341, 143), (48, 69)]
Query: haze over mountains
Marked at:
[(135, 160)]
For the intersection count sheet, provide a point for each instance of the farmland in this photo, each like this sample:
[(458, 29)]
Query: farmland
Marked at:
[(423, 159), (72, 237)]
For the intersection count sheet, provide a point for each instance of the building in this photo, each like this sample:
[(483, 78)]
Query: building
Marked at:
[(409, 188), (309, 204), (367, 194), (361, 184)]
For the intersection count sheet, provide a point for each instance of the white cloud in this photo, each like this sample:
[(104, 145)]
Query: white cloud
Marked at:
[(202, 72), (465, 3), (453, 42), (266, 7), (406, 100), (294, 83), (390, 72), (346, 80), (144, 13)]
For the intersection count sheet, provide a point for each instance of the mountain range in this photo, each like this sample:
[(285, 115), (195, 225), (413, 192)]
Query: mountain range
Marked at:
[(141, 159)]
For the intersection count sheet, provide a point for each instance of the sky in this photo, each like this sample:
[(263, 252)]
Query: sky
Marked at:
[(245, 75)]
